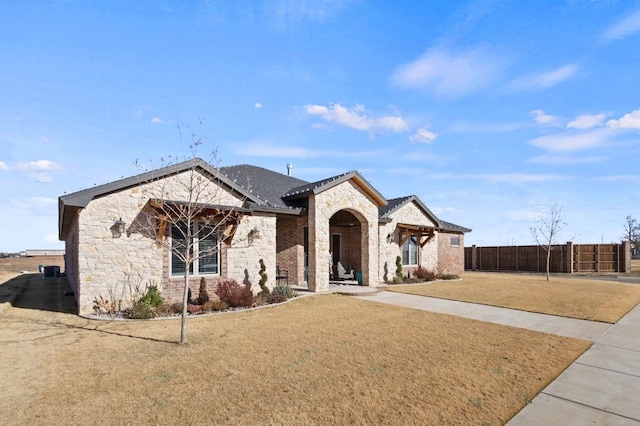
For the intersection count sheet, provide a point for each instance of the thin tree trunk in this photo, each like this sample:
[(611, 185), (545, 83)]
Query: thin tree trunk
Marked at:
[(185, 301), (548, 260)]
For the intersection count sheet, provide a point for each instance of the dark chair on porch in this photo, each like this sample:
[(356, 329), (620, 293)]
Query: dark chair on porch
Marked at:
[(282, 275)]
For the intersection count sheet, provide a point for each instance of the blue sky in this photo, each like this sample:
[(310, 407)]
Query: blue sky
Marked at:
[(489, 111)]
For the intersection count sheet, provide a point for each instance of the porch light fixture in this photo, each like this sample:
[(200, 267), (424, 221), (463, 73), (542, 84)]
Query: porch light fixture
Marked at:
[(391, 237), (120, 227)]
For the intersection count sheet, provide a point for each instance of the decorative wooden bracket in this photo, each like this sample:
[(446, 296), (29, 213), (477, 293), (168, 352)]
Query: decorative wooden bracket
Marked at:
[(424, 233)]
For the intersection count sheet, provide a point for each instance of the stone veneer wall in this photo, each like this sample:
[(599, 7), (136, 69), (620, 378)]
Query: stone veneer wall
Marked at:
[(111, 266), (71, 260), (450, 258), (427, 255), (344, 196)]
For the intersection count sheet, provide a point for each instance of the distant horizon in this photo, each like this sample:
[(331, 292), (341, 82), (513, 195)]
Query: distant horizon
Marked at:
[(490, 112)]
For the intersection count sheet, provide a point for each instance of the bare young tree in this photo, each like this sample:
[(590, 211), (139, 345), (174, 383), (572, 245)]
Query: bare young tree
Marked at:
[(547, 228), (631, 230), (189, 214)]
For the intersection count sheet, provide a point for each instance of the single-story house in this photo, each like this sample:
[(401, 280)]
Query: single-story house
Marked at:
[(306, 233)]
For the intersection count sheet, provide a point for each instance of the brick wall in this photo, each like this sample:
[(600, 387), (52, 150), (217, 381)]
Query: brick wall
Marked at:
[(450, 258)]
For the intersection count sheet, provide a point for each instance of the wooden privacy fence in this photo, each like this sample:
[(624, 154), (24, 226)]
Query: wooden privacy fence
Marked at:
[(567, 258)]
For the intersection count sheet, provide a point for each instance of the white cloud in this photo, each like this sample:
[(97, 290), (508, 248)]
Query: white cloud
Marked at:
[(450, 74), (628, 121), (357, 119), (291, 13), (141, 110), (546, 79), (39, 165), (545, 119), (423, 135), (157, 120), (258, 105), (468, 127), (3, 166), (519, 177), (623, 28), (565, 159), (266, 149), (587, 121), (572, 142), (40, 177)]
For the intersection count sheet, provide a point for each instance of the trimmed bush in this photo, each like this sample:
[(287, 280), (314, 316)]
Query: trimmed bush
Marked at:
[(263, 279), (203, 295), (152, 297), (141, 310), (399, 268), (284, 290), (234, 294)]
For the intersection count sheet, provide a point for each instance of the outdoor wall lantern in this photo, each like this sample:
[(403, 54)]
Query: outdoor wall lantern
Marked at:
[(254, 234), (391, 237), (120, 228)]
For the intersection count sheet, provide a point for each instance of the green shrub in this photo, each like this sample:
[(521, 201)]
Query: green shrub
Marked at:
[(141, 310), (263, 279), (398, 280), (234, 294), (399, 268), (284, 290), (203, 295), (152, 297)]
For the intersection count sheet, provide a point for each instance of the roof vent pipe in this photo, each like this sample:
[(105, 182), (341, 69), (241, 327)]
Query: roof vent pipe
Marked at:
[(289, 168)]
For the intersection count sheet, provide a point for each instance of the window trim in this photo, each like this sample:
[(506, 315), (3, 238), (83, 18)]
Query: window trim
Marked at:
[(194, 270), (456, 244)]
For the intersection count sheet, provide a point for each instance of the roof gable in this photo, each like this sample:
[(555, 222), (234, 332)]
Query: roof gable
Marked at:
[(397, 203), (313, 188), (70, 204)]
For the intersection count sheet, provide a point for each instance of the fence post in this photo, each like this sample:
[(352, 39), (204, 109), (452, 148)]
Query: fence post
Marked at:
[(626, 256), (474, 258), (569, 265), (517, 266)]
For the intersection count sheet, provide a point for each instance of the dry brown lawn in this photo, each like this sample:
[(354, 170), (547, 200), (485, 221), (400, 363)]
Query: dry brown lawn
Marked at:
[(12, 267), (324, 359), (580, 298)]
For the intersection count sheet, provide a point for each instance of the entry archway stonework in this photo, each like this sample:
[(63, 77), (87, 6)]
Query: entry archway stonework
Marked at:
[(322, 206)]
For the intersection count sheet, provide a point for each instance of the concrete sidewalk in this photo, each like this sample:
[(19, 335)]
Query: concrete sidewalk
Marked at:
[(567, 327), (602, 387)]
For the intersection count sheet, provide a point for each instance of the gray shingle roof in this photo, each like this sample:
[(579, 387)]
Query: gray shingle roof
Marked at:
[(267, 185), (263, 189), (452, 227)]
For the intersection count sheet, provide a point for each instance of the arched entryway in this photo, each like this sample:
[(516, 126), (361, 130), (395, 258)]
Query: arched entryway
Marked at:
[(345, 245)]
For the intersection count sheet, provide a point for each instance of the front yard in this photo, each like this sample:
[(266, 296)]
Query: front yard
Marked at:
[(580, 298), (324, 359)]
